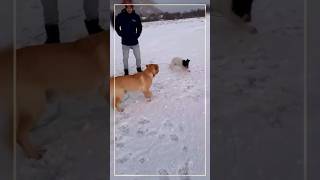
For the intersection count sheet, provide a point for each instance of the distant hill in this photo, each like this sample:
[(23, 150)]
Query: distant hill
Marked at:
[(153, 13), (141, 10)]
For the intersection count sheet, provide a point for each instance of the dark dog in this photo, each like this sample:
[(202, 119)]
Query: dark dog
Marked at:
[(237, 11), (242, 8)]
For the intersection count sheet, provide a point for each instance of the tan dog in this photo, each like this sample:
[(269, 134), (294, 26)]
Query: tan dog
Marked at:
[(141, 81), (6, 102), (76, 67)]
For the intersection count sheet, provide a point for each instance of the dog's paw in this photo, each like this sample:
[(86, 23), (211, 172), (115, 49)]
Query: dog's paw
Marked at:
[(120, 110), (148, 99), (253, 30), (36, 154)]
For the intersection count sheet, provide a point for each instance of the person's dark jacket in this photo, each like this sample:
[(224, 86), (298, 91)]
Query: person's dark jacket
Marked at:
[(129, 27)]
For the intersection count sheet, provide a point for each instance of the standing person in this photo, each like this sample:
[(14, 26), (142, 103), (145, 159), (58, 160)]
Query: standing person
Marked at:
[(51, 18), (128, 26)]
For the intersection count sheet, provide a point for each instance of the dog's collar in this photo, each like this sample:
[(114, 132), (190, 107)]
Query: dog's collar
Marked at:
[(153, 75)]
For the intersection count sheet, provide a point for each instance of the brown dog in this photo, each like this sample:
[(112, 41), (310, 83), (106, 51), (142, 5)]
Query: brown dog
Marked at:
[(141, 81), (76, 67), (6, 102)]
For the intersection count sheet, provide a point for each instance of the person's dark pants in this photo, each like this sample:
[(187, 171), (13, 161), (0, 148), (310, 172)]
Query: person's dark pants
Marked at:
[(51, 18)]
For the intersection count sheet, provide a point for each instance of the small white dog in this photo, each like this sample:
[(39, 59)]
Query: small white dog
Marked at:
[(180, 63)]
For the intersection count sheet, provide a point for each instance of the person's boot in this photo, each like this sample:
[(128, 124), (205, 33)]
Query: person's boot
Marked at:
[(139, 69), (53, 35), (93, 26), (126, 72)]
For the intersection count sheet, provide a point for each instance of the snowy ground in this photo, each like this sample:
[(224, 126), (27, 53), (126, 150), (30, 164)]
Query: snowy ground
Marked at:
[(166, 135), (258, 94)]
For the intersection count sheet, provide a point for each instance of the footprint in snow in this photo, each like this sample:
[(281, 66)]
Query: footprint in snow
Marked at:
[(142, 131), (174, 137), (190, 86), (253, 67), (181, 128), (185, 149), (184, 171), (142, 160), (161, 136), (152, 133), (168, 124), (118, 138), (124, 129), (124, 159), (163, 172), (144, 121), (273, 66), (123, 115), (119, 145)]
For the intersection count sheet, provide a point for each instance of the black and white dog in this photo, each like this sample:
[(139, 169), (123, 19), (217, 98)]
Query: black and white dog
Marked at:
[(237, 11), (179, 63)]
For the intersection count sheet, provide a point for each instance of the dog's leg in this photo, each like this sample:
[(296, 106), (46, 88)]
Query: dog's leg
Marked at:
[(147, 95), (117, 100), (117, 104), (240, 22), (23, 137), (31, 103)]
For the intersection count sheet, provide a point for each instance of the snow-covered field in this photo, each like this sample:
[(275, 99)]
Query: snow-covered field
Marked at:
[(258, 94), (166, 135)]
